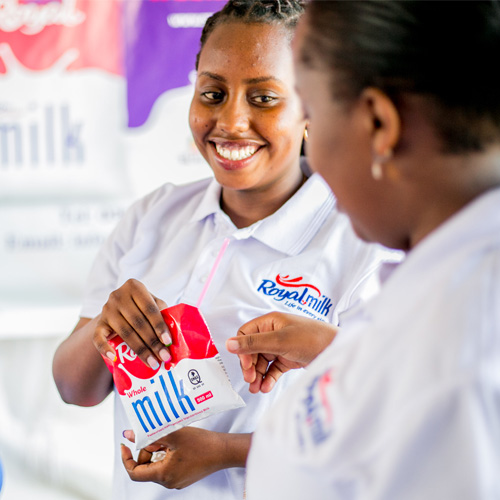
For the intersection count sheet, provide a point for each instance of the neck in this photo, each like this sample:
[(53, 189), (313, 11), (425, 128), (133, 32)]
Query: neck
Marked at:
[(459, 181), (246, 207)]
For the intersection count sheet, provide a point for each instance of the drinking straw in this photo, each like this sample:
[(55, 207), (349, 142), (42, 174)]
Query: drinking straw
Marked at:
[(225, 243)]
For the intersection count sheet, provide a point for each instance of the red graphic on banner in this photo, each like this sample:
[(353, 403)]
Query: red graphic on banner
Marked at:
[(40, 32)]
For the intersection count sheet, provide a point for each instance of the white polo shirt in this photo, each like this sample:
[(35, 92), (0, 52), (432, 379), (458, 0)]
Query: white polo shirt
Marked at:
[(405, 403), (303, 259)]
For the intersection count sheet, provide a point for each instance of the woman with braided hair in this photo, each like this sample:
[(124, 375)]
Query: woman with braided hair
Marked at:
[(289, 250)]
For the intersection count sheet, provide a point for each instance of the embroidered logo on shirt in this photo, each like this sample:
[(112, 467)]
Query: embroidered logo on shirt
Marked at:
[(297, 294), (315, 415)]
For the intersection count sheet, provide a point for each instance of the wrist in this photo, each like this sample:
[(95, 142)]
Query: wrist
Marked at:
[(235, 448), (321, 341)]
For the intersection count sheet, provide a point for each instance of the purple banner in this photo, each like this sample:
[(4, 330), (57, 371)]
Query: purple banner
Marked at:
[(162, 39)]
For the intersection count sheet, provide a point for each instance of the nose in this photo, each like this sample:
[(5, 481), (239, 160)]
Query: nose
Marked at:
[(234, 116)]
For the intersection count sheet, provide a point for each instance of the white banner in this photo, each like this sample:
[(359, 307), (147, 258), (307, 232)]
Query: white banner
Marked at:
[(94, 99)]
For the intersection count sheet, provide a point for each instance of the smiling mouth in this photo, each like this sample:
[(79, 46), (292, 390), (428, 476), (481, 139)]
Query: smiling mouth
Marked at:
[(236, 153)]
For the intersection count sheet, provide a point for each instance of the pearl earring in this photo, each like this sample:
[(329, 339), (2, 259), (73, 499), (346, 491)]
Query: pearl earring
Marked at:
[(377, 172), (377, 169), (306, 134)]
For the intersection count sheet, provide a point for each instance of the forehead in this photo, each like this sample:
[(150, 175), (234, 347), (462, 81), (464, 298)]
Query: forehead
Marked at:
[(250, 50)]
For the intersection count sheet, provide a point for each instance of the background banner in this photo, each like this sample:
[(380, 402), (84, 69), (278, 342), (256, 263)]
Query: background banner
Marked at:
[(94, 98)]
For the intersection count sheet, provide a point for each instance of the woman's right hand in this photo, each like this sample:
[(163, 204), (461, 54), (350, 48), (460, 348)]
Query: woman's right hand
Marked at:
[(134, 314), (272, 344)]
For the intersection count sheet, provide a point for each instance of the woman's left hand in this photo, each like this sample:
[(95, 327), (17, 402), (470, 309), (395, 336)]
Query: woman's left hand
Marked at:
[(190, 455)]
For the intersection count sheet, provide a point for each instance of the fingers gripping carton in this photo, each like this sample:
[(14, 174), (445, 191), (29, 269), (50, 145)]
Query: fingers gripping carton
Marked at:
[(193, 385)]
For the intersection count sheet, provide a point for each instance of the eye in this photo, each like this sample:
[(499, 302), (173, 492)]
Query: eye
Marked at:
[(264, 99), (213, 95)]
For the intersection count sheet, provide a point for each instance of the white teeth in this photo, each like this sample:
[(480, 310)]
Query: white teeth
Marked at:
[(235, 154)]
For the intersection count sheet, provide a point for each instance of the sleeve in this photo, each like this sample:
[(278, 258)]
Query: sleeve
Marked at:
[(105, 272), (374, 267), (441, 446), (444, 442)]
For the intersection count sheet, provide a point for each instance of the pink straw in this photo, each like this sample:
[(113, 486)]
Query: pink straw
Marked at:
[(212, 272)]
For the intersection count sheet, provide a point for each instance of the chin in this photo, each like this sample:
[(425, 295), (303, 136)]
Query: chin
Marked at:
[(363, 234)]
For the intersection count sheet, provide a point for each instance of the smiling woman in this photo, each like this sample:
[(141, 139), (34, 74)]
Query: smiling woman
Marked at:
[(284, 233), (247, 120)]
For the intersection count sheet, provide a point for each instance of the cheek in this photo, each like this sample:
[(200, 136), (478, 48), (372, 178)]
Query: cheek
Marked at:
[(320, 155), (193, 119), (339, 155), (286, 125), (199, 128), (198, 122)]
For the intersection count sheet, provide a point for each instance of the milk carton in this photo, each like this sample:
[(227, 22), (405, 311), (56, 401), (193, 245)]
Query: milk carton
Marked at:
[(191, 386)]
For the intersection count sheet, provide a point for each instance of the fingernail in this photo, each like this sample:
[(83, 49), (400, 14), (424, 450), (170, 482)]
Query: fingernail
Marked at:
[(165, 338), (127, 434), (111, 356), (165, 355), (153, 363), (232, 345)]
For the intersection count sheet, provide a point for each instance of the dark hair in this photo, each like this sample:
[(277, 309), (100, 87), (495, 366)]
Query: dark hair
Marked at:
[(446, 51), (282, 12)]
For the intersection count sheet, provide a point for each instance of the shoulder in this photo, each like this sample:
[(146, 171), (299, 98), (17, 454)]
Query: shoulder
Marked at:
[(168, 199), (169, 195), (147, 214)]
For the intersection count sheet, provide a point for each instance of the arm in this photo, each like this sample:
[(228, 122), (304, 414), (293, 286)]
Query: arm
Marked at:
[(80, 374), (272, 344), (190, 455)]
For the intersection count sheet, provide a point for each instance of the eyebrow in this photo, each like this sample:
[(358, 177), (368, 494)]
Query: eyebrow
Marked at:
[(252, 81)]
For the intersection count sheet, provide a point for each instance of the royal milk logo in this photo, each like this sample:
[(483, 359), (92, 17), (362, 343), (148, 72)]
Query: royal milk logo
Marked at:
[(295, 293), (314, 418)]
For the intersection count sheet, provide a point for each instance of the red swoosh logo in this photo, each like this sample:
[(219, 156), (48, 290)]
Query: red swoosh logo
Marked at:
[(324, 381), (293, 282)]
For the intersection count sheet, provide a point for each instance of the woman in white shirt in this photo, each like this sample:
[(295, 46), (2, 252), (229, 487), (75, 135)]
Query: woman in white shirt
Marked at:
[(404, 109), (289, 249)]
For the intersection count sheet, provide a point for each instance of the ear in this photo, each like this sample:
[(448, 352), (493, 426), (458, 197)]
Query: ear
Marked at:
[(385, 121)]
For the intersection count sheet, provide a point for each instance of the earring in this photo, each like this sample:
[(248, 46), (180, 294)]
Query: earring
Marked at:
[(306, 134), (377, 168), (377, 172)]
